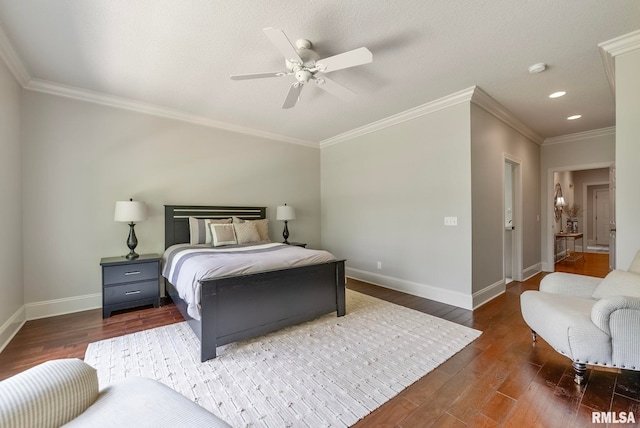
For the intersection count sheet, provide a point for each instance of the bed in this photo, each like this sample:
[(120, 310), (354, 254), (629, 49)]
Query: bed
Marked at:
[(238, 307)]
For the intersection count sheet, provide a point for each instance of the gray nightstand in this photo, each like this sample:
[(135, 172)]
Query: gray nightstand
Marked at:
[(130, 283)]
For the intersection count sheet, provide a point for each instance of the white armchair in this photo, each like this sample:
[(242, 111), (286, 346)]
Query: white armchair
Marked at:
[(590, 320)]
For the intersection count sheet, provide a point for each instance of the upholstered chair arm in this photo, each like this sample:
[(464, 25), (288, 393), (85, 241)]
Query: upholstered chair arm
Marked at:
[(619, 317), (569, 284), (48, 395)]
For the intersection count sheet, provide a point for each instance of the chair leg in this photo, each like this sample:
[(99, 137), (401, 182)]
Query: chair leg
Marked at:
[(580, 369), (534, 336)]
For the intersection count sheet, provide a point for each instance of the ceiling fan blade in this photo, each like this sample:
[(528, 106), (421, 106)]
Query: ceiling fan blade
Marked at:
[(292, 95), (335, 88), (345, 60), (257, 75), (282, 43)]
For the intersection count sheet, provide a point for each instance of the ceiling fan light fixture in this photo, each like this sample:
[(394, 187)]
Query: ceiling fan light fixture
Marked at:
[(558, 94), (537, 68)]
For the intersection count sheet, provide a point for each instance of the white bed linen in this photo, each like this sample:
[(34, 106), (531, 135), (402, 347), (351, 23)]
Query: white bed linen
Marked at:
[(185, 265)]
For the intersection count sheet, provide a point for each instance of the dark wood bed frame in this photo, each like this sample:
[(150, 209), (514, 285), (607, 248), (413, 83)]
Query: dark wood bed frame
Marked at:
[(234, 308)]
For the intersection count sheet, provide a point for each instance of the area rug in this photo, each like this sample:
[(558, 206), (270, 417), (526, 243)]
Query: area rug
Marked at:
[(329, 372)]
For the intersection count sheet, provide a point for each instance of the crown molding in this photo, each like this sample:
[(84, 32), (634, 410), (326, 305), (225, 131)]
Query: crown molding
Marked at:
[(52, 88), (424, 109), (13, 61), (595, 133), (614, 47), (483, 100)]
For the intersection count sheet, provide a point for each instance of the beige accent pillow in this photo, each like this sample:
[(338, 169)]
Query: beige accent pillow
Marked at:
[(246, 232), (262, 225), (222, 234), (199, 232), (618, 283)]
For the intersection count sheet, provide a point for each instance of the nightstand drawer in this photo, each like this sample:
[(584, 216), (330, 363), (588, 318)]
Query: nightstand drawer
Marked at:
[(129, 273), (130, 292)]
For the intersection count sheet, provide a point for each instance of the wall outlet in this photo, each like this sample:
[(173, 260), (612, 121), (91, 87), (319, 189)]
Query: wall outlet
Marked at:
[(451, 221), (379, 265)]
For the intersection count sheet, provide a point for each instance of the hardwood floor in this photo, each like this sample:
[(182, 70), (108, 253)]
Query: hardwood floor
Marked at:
[(501, 379)]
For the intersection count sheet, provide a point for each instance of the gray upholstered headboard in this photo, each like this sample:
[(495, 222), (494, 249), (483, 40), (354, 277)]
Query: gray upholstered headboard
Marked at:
[(176, 218)]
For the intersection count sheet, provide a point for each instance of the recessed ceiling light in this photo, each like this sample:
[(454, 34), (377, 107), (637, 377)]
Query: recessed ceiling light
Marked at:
[(538, 68), (574, 117), (557, 94)]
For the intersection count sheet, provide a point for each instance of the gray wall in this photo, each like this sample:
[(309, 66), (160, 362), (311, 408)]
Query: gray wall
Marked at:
[(627, 156), (491, 140), (79, 158), (591, 150), (11, 212), (384, 198)]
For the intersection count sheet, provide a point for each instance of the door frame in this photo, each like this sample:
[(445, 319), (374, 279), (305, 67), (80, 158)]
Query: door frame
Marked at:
[(516, 252)]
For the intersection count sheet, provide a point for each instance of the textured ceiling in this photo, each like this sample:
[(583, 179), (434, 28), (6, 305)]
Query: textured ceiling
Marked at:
[(179, 54)]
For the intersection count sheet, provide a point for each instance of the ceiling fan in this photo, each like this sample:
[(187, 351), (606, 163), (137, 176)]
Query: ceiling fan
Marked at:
[(304, 64)]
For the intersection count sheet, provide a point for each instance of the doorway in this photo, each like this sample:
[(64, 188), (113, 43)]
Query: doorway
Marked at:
[(512, 219)]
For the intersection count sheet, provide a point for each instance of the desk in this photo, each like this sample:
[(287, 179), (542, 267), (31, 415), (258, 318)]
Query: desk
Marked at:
[(572, 256)]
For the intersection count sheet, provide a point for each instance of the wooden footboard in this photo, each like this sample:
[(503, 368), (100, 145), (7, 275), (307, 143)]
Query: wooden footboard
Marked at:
[(241, 307)]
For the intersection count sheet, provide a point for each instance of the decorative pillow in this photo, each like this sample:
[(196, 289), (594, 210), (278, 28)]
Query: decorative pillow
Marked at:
[(618, 283), (246, 232), (199, 232), (222, 234), (262, 225)]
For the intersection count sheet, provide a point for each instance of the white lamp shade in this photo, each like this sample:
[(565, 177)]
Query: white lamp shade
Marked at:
[(130, 211), (560, 202), (285, 212)]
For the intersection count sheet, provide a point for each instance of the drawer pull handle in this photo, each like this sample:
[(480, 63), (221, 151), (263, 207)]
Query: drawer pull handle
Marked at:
[(129, 293), (135, 272)]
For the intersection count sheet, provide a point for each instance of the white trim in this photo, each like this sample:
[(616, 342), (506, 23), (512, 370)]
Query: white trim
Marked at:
[(614, 47), (580, 136), (531, 271), (154, 110), (438, 294), (483, 100), (424, 109), (11, 327), (12, 59), (51, 308), (488, 293)]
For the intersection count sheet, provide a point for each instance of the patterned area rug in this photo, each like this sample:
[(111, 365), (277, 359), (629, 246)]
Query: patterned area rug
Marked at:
[(327, 372)]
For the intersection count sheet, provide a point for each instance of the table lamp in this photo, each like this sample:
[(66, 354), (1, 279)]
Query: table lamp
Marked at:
[(131, 211), (285, 213)]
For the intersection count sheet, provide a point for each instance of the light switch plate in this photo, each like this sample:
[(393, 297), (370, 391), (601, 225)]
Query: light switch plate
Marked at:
[(451, 221)]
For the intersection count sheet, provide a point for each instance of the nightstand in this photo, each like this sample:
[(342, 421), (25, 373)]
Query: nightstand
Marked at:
[(130, 283), (298, 244)]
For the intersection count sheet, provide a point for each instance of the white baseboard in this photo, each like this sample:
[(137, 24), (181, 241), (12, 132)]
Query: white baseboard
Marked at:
[(438, 294), (51, 308), (488, 293), (12, 327), (531, 271)]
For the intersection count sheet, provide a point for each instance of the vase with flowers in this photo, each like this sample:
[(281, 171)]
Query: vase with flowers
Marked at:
[(572, 211)]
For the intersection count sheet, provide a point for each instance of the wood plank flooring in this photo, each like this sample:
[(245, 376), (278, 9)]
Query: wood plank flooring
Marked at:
[(501, 379)]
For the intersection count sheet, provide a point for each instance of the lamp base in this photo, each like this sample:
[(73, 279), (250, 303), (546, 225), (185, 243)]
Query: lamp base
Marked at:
[(285, 233), (132, 255), (132, 242)]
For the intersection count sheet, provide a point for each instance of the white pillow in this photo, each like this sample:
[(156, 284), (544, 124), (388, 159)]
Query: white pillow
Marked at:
[(222, 234), (199, 232), (246, 232), (618, 283)]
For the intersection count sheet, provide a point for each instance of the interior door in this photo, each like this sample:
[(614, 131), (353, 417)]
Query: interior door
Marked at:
[(602, 216)]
